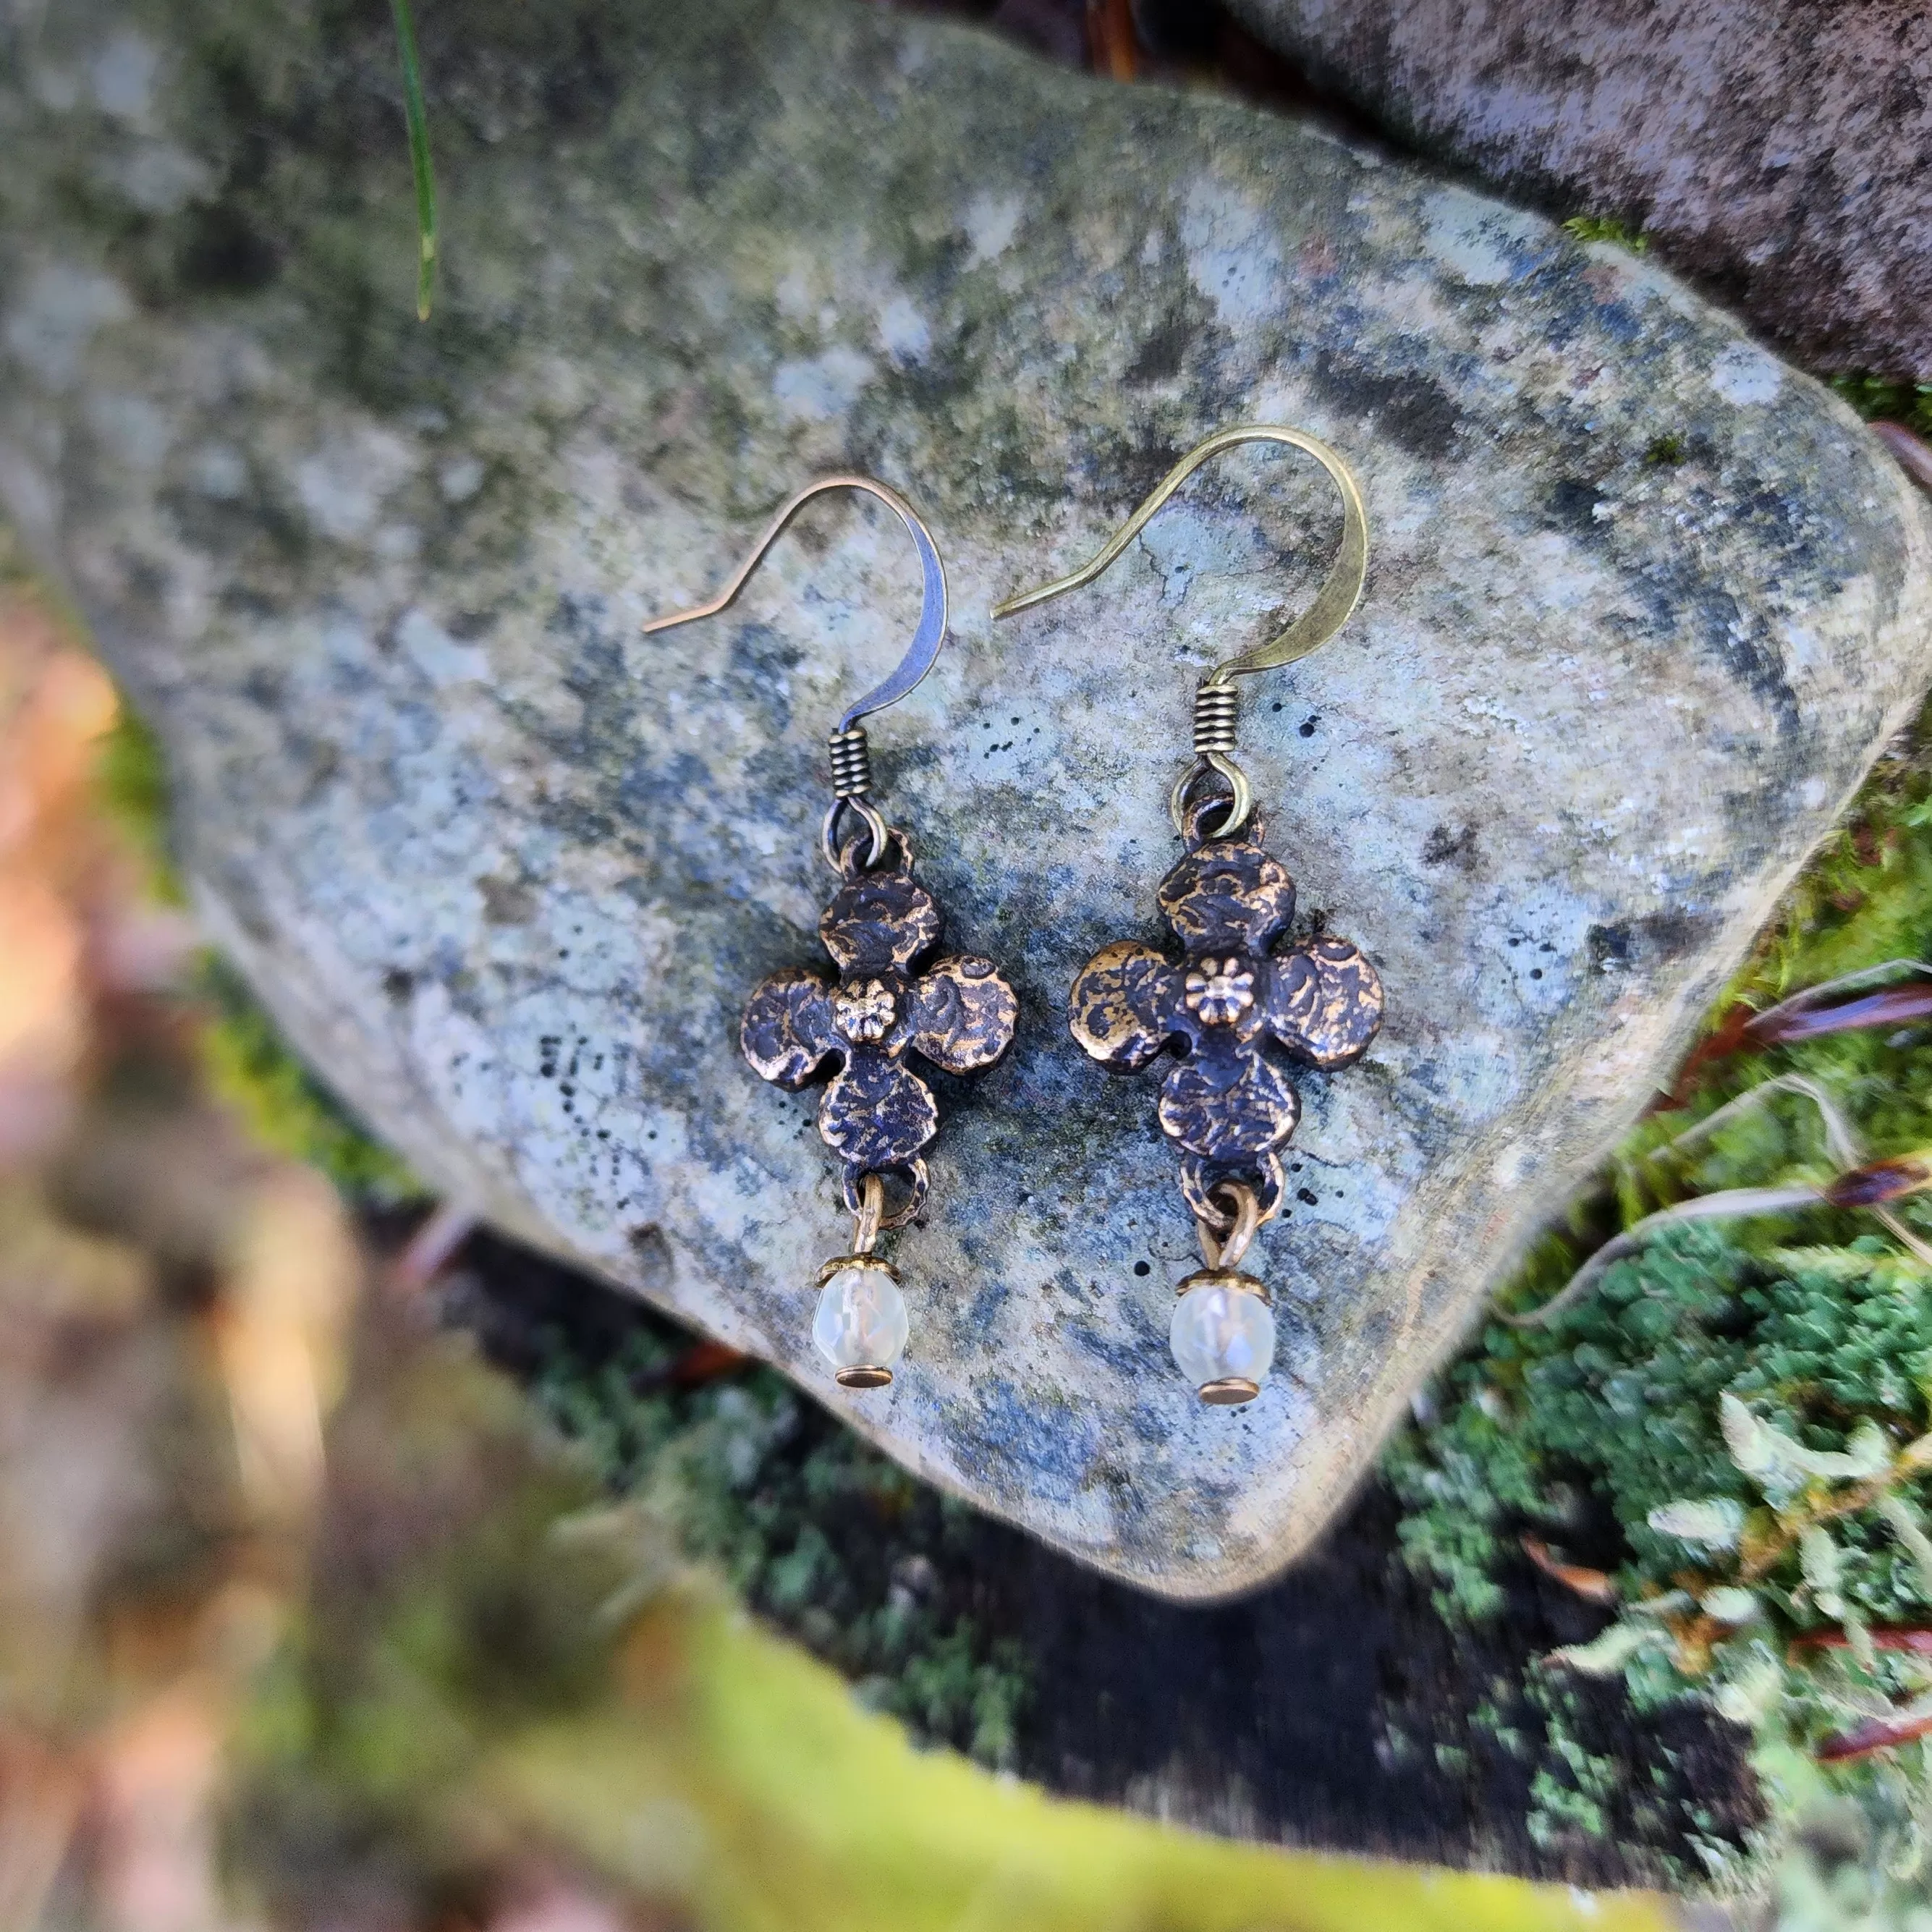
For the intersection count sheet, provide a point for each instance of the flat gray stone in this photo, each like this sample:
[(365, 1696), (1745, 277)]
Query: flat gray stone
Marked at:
[(1643, 604), (1779, 151)]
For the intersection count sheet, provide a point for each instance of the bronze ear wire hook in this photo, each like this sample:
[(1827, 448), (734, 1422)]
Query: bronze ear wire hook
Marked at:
[(1215, 704), (851, 754)]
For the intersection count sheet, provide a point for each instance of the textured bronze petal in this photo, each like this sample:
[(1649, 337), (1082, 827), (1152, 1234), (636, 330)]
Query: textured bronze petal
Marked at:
[(788, 1031), (1229, 895), (1125, 1005), (963, 1014), (1324, 1002), (879, 920), (875, 1114), (1225, 1101)]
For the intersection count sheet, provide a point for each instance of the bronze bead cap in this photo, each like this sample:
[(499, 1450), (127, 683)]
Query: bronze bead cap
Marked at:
[(1241, 1009), (888, 996)]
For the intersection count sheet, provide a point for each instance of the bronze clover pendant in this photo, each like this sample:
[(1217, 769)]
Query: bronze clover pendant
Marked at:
[(1235, 1011), (958, 1013)]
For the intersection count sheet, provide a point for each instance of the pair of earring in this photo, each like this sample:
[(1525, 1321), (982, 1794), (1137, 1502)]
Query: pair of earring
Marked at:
[(1236, 1007)]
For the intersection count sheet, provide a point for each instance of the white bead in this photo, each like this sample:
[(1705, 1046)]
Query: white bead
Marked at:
[(1220, 1332), (861, 1321)]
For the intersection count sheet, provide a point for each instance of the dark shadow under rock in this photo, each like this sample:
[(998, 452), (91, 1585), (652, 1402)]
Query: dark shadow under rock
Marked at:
[(1336, 1708)]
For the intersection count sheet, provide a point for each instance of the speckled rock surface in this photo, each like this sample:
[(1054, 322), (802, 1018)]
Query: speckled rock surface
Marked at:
[(1779, 150), (1641, 604)]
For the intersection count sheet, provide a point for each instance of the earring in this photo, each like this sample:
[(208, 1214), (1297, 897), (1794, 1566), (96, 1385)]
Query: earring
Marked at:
[(956, 1013), (1234, 1007)]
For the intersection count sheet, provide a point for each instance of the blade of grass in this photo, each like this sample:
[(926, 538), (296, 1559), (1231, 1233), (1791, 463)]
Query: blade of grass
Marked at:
[(417, 122), (1732, 1204)]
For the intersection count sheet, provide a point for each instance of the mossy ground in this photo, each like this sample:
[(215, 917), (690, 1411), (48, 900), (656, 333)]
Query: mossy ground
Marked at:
[(1817, 1320), (1336, 1708), (826, 1538), (1889, 399)]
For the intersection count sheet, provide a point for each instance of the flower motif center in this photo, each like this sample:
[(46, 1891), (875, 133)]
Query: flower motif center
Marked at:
[(864, 1013), (1219, 991)]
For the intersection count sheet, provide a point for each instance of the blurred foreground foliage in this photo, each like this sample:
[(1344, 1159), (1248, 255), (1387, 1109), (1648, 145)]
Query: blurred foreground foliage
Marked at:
[(305, 1621), (1727, 1435), (720, 1462)]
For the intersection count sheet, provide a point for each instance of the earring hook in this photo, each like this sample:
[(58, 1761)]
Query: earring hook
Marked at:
[(926, 640), (1214, 701), (1334, 603)]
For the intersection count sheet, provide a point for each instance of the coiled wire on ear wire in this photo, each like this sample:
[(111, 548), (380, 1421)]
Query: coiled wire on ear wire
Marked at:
[(1215, 704), (851, 754)]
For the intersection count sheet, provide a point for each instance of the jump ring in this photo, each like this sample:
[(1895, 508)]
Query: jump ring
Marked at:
[(1201, 1179), (1240, 806), (914, 1175), (874, 824), (1225, 1249)]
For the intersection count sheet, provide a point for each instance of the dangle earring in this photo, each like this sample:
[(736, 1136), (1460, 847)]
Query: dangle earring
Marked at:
[(1235, 1007), (957, 1013)]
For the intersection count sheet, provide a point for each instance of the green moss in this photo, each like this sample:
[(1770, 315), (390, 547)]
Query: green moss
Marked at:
[(1885, 398), (1818, 1322), (132, 781), (829, 1539), (1607, 228), (286, 1108), (1572, 1796)]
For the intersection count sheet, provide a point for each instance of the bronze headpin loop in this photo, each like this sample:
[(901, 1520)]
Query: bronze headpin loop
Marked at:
[(851, 755), (1215, 705)]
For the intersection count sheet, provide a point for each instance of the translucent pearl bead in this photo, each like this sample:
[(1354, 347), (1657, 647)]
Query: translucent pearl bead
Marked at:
[(1220, 1333), (861, 1321)]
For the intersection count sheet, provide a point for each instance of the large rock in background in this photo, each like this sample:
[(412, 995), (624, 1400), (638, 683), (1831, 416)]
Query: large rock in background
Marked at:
[(1780, 152), (1643, 604)]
